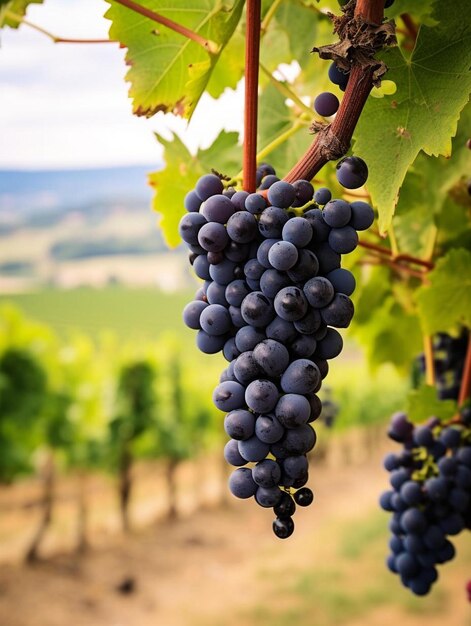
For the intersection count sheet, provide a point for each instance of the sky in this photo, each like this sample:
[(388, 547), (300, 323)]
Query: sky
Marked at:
[(66, 105)]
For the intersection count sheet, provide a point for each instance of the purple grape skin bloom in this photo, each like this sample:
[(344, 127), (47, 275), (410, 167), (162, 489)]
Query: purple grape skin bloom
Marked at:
[(352, 172), (326, 104)]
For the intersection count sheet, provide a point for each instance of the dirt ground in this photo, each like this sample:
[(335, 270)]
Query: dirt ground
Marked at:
[(221, 567)]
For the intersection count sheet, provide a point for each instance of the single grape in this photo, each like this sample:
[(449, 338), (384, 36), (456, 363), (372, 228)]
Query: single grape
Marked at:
[(338, 77), (281, 194), (242, 227), (290, 304), (241, 483), (217, 208), (272, 357), (293, 410), (319, 292), (253, 449), (343, 240), (342, 281), (337, 213), (271, 222), (269, 429), (239, 424), (297, 231), (322, 196), (229, 396), (362, 215), (192, 313), (352, 172), (326, 104), (283, 255), (257, 310), (213, 237), (261, 396), (283, 527), (192, 202), (208, 185), (267, 473), (304, 497)]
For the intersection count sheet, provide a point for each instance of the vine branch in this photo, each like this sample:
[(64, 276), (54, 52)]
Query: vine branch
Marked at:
[(465, 387), (252, 56), (207, 44), (333, 140), (397, 258)]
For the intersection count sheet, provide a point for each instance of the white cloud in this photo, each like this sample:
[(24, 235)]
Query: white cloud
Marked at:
[(66, 105)]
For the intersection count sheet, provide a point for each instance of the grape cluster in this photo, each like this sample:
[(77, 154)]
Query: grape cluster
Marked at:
[(273, 293), (449, 357), (430, 499)]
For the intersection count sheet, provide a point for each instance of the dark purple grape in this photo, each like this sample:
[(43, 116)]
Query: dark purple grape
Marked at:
[(352, 172), (304, 497), (326, 104)]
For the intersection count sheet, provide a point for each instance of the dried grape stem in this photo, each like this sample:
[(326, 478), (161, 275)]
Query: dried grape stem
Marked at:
[(252, 54), (333, 141)]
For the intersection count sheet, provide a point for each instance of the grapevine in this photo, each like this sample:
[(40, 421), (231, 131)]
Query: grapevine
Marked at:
[(385, 179)]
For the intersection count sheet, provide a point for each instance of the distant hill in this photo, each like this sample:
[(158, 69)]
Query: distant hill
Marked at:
[(36, 191)]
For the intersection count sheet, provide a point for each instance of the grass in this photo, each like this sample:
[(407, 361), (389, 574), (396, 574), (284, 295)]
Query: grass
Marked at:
[(129, 313), (348, 582)]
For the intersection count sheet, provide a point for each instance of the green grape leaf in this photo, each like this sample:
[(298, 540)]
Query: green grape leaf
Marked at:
[(433, 87), (276, 118), (230, 68), (181, 173), (421, 203), (419, 9), (446, 301), (16, 7), (169, 72), (423, 403), (299, 23)]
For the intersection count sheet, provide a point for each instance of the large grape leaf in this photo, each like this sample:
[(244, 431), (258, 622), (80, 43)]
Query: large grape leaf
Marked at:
[(433, 86), (420, 202), (169, 72), (419, 9), (18, 7), (181, 173), (446, 301)]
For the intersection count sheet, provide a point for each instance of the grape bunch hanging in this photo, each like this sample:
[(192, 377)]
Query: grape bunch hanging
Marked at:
[(430, 496), (273, 295)]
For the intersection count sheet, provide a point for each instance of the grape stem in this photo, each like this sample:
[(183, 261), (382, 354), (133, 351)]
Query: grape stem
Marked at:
[(252, 56), (465, 388), (207, 44), (340, 132), (396, 258), (20, 20), (429, 361)]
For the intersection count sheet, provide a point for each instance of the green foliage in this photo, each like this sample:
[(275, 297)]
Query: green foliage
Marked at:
[(446, 302), (17, 7), (168, 71), (433, 86), (423, 403)]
